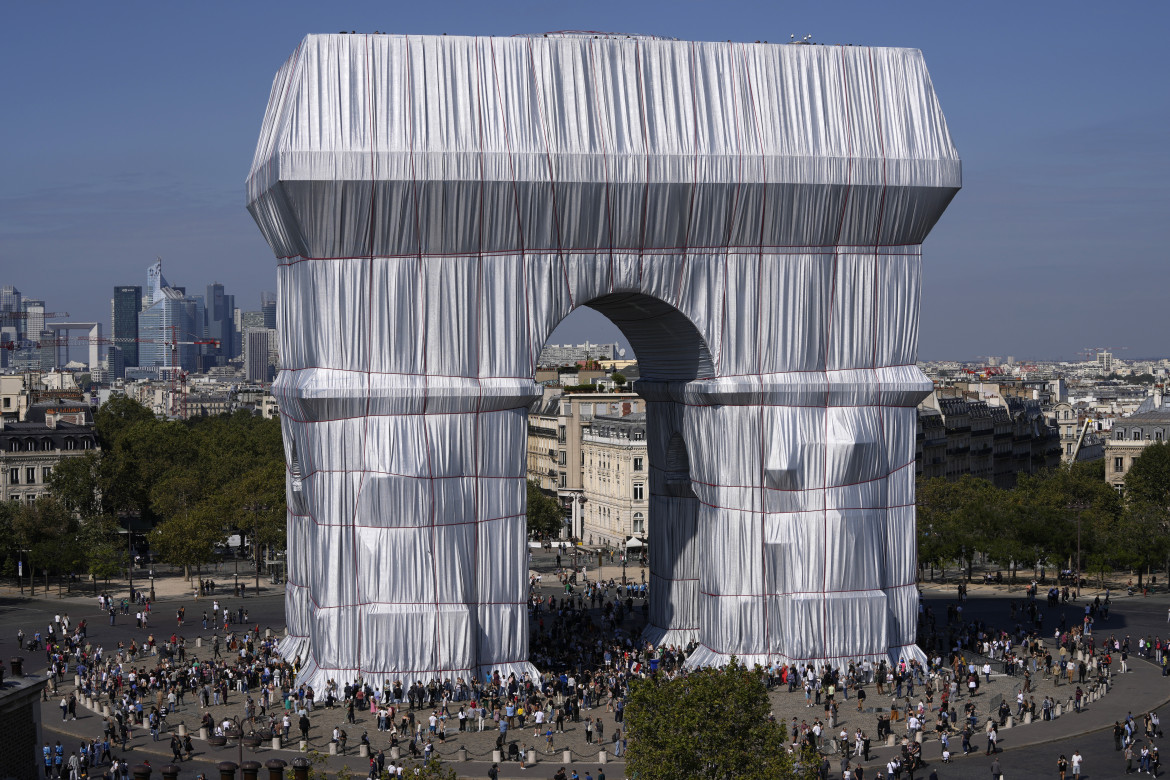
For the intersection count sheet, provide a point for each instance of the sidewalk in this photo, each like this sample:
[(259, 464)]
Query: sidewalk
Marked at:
[(167, 586)]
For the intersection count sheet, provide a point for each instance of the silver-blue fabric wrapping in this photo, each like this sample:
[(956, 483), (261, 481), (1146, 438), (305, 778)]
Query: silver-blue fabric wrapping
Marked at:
[(750, 215)]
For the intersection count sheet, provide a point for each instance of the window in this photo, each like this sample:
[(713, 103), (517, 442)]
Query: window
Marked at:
[(563, 457), (639, 523), (639, 490), (1119, 435), (561, 434), (564, 479), (30, 476), (32, 445), (638, 464), (13, 476), (1158, 435), (1137, 434), (70, 444), (1117, 465), (639, 435), (1069, 449), (46, 473), (7, 403)]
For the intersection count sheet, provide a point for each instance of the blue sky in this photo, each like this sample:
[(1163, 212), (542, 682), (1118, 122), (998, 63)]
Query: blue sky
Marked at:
[(128, 129)]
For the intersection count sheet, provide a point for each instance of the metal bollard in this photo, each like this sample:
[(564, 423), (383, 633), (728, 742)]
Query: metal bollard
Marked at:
[(275, 768), (301, 767), (227, 770), (141, 772), (170, 772), (16, 663), (250, 770)]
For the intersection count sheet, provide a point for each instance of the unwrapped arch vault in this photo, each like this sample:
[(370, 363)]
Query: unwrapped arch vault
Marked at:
[(438, 204)]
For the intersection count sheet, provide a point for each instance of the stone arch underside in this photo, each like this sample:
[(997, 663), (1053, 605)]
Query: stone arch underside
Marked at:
[(750, 215)]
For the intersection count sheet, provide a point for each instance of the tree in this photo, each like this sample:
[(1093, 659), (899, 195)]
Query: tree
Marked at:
[(618, 378), (545, 517), (712, 724), (75, 483), (1148, 479), (189, 539)]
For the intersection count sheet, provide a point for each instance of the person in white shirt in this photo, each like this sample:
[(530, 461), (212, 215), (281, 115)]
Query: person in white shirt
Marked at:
[(1076, 763)]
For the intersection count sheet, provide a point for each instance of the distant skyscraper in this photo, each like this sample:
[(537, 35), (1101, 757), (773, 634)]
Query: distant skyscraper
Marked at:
[(221, 324), (257, 344), (268, 309), (127, 303), (169, 318), (33, 317), (11, 327)]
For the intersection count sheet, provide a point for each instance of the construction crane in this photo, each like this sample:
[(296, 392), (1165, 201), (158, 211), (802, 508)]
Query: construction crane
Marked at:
[(24, 315)]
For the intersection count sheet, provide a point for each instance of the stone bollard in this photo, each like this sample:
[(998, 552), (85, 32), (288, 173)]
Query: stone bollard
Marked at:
[(602, 757), (275, 768), (891, 740), (363, 751), (395, 753), (532, 759), (250, 770), (277, 743), (918, 736), (1058, 712), (204, 733), (1027, 718), (1010, 722), (227, 770), (182, 729), (105, 710), (268, 633), (77, 681), (497, 756), (304, 746), (567, 756), (332, 748), (461, 754)]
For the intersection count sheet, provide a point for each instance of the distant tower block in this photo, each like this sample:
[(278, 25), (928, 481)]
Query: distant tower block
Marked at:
[(749, 215)]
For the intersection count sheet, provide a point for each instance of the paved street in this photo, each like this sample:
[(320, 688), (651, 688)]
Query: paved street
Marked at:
[(1028, 751)]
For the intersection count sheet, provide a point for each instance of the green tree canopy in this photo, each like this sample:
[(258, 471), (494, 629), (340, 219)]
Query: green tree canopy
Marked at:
[(1148, 479), (545, 517), (713, 724)]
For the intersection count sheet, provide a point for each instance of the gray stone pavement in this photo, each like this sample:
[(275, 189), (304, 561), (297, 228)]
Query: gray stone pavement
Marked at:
[(1028, 749)]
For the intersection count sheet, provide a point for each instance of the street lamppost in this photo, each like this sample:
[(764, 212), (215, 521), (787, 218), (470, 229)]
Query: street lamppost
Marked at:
[(31, 581), (1078, 507), (253, 509)]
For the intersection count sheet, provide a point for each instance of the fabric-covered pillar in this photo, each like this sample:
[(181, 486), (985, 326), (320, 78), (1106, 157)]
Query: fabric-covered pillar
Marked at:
[(407, 555)]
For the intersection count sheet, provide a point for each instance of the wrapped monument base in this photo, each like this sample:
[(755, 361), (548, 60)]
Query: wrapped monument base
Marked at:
[(749, 215)]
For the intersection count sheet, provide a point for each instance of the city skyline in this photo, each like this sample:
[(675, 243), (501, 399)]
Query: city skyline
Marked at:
[(1063, 167)]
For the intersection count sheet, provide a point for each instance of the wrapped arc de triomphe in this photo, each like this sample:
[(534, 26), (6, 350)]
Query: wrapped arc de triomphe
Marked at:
[(749, 215)]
